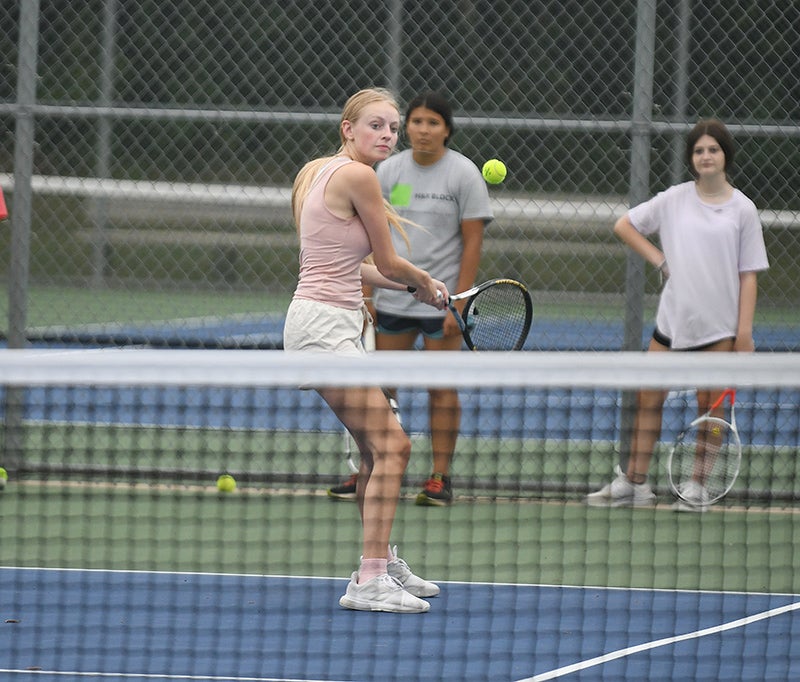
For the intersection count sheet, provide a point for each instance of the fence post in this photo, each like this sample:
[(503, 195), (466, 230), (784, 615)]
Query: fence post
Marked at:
[(21, 222), (394, 47), (639, 191), (677, 168), (23, 171), (100, 204)]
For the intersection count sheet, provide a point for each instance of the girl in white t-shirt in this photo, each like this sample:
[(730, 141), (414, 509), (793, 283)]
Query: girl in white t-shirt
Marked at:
[(712, 246)]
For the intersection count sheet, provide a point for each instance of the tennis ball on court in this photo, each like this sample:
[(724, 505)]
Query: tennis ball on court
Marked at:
[(3, 478), (494, 171), (226, 483)]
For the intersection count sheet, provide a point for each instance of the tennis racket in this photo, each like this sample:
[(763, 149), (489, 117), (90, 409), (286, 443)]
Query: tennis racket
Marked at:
[(704, 461), (497, 315)]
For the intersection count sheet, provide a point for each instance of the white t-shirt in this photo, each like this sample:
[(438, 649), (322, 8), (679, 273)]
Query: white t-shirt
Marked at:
[(706, 247), (437, 198)]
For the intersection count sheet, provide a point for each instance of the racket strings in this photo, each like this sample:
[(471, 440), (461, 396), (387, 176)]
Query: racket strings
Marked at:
[(498, 318), (707, 453)]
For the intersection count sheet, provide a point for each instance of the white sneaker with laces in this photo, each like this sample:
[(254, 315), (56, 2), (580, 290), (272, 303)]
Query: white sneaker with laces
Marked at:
[(381, 593), (694, 497), (397, 568), (622, 493)]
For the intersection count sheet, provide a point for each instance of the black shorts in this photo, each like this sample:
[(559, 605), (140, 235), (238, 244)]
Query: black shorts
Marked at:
[(430, 327), (664, 340)]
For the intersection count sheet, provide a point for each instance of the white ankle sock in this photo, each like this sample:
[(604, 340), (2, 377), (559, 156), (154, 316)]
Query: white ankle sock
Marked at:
[(370, 568)]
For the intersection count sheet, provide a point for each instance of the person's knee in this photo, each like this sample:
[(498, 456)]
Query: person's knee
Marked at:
[(400, 447)]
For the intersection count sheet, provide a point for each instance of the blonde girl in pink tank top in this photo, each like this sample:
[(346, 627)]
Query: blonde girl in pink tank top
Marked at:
[(342, 218)]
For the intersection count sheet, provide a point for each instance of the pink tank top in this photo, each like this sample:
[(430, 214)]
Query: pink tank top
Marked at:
[(331, 249)]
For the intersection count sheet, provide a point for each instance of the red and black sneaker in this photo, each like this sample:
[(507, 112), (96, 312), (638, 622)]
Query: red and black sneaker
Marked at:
[(346, 490), (437, 491)]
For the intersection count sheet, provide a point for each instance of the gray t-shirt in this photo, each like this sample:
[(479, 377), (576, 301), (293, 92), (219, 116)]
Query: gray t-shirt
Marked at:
[(437, 198)]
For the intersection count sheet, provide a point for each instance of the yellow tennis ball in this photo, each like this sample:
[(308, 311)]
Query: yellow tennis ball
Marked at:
[(226, 483), (3, 478), (494, 171)]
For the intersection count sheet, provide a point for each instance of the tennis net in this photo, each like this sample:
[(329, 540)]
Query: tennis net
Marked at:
[(120, 557)]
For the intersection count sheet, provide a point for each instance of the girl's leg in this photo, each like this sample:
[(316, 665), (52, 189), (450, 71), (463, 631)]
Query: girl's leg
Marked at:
[(444, 412), (706, 397), (647, 426), (385, 450), (445, 420)]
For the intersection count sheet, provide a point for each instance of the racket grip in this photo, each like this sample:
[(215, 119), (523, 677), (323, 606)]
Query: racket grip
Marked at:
[(412, 290)]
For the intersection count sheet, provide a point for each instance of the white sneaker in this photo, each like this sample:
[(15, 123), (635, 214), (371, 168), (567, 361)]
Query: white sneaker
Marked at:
[(622, 493), (397, 568), (381, 593), (694, 497)]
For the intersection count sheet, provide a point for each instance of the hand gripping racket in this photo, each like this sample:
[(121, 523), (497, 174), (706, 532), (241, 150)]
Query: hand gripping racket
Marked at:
[(704, 461), (497, 315)]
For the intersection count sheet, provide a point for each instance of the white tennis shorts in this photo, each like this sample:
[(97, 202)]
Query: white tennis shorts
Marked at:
[(315, 326)]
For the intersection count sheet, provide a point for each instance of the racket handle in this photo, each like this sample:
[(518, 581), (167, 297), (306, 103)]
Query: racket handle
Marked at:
[(413, 290)]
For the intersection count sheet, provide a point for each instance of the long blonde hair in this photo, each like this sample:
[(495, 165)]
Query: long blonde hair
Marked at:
[(353, 109)]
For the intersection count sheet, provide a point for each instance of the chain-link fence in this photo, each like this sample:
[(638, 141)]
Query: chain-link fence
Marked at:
[(148, 149)]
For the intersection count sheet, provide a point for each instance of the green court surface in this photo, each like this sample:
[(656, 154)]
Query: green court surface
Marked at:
[(143, 497), (57, 306), (259, 531)]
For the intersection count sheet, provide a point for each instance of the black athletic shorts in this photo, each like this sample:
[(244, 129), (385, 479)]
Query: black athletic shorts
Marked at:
[(664, 340), (430, 327)]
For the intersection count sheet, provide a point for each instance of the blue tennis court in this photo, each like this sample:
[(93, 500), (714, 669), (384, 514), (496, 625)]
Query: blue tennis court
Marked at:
[(163, 626), (266, 332), (531, 413)]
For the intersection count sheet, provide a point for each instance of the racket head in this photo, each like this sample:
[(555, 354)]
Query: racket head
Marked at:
[(709, 452), (498, 316)]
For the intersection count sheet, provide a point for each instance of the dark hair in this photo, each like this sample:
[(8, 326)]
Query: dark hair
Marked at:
[(435, 102), (716, 129)]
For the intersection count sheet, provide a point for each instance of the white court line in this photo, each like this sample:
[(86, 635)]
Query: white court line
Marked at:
[(153, 676), (621, 653)]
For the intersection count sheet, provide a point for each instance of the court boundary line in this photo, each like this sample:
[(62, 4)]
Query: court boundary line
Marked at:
[(271, 490), (648, 646), (490, 583), (211, 490), (154, 676)]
